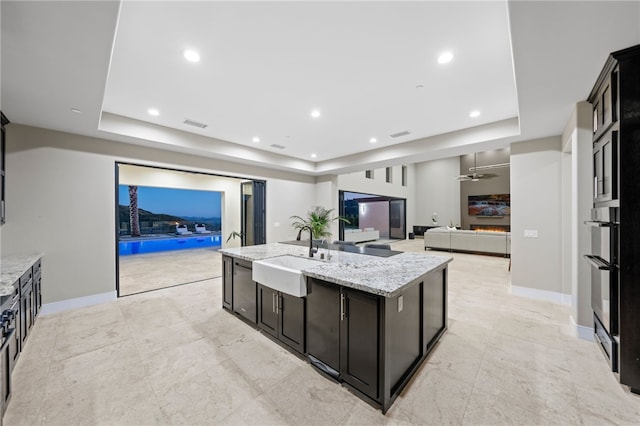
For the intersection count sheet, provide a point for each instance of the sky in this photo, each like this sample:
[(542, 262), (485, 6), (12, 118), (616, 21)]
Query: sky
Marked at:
[(176, 202)]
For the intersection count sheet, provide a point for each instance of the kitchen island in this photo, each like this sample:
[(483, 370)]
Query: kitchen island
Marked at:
[(365, 321)]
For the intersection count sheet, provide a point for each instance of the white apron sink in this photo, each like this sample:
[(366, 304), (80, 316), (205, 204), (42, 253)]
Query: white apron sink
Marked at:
[(283, 273)]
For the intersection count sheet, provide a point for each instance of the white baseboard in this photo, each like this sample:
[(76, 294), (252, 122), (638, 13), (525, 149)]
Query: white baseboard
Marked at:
[(534, 293), (582, 332), (80, 302)]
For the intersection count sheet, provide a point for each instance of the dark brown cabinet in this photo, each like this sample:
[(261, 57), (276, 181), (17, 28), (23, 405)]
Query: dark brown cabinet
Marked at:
[(26, 306), (615, 224), (342, 329), (282, 316), (360, 341)]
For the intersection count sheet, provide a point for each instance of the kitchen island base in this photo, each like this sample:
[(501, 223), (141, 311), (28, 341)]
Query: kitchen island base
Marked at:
[(371, 339)]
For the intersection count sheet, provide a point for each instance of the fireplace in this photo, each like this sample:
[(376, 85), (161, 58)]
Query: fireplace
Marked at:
[(492, 228)]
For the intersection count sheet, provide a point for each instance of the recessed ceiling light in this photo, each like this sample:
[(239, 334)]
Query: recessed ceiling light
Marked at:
[(315, 113), (373, 140), (313, 155), (256, 139), (474, 113), (445, 57), (153, 111), (420, 86), (191, 55), (76, 110)]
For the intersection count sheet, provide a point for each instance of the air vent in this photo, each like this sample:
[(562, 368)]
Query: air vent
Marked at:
[(194, 123), (403, 133), (275, 145)]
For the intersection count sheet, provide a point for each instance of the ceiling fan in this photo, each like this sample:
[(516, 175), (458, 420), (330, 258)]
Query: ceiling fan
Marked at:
[(474, 176)]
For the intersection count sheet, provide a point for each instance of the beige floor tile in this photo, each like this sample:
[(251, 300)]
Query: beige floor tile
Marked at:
[(174, 356), (307, 398), (180, 362), (206, 398)]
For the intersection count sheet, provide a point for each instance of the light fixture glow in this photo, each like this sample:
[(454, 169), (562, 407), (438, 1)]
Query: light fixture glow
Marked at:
[(313, 155), (191, 55), (474, 113), (153, 111), (256, 139), (373, 140), (315, 113), (445, 57)]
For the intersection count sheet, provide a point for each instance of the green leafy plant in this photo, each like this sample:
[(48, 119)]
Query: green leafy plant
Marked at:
[(318, 219), (233, 235)]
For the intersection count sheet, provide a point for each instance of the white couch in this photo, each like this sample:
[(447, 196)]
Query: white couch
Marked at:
[(361, 235), (468, 241)]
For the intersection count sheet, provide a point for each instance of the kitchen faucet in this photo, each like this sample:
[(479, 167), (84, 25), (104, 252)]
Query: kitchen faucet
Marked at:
[(311, 249)]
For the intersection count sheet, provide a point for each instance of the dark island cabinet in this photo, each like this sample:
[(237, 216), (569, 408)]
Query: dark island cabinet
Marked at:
[(227, 282), (282, 316), (360, 342), (371, 343), (342, 334)]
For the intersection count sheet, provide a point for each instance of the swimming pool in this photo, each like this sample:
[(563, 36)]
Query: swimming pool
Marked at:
[(167, 244)]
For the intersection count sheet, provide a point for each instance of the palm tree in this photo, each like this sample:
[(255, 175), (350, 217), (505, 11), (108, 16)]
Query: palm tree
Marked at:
[(318, 220), (134, 218)]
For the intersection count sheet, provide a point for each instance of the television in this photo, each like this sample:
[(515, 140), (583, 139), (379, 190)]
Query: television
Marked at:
[(494, 205)]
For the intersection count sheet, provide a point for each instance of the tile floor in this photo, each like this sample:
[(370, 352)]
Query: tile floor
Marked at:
[(151, 271), (174, 357)]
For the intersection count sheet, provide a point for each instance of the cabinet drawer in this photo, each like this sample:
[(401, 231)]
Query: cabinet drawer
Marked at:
[(26, 278)]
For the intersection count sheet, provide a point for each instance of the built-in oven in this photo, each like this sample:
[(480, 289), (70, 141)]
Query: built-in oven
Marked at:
[(603, 259)]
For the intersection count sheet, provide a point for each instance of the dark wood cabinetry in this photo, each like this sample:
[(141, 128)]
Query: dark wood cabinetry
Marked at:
[(282, 316), (372, 344), (342, 329), (616, 235), (27, 316)]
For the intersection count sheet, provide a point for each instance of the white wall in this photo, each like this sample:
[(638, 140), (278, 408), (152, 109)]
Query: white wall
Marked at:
[(437, 191), (535, 206), (61, 202), (577, 143), (357, 182)]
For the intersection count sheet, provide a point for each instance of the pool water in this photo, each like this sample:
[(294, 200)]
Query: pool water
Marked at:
[(167, 244)]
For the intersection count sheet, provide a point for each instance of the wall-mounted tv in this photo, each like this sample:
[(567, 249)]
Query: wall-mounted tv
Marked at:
[(490, 205)]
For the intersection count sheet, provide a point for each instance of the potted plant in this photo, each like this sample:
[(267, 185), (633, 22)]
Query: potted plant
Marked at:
[(318, 220)]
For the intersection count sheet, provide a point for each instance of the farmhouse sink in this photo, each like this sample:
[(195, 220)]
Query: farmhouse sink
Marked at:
[(283, 273)]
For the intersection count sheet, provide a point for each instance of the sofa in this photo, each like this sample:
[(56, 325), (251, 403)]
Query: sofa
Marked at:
[(361, 235), (468, 241)]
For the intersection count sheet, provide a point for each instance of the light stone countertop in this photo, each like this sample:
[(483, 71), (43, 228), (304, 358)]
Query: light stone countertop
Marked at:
[(383, 276), (12, 269)]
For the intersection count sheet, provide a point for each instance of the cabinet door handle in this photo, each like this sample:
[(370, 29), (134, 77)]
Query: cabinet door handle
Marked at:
[(277, 304), (273, 302), (341, 307)]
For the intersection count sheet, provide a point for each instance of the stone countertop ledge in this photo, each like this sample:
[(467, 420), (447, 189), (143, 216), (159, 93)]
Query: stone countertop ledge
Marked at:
[(383, 276), (13, 266)]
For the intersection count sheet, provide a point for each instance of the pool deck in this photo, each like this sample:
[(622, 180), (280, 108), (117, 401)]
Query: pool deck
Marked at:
[(145, 237)]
